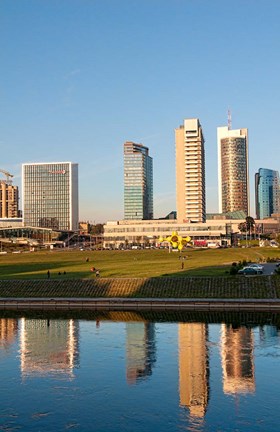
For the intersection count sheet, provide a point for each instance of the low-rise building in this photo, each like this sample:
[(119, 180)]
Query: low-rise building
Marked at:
[(129, 232)]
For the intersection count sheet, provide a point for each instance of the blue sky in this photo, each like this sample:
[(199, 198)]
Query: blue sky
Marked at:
[(80, 77)]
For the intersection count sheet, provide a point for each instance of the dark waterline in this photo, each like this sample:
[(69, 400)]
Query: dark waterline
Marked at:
[(126, 371)]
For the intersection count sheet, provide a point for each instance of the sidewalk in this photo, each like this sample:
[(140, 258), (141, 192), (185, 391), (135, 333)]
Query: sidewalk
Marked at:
[(144, 304)]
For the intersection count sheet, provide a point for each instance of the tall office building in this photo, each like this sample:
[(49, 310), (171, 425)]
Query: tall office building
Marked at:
[(233, 170), (50, 195), (190, 172), (267, 189), (138, 182), (9, 198)]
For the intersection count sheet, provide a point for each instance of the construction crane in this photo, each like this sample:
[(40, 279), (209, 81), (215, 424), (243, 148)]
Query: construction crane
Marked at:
[(8, 176)]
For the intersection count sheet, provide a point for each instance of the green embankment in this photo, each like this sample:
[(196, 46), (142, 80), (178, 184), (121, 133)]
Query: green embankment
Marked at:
[(128, 264), (140, 273)]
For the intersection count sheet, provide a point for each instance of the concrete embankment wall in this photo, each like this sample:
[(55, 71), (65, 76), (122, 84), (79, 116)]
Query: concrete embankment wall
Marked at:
[(117, 304), (184, 293)]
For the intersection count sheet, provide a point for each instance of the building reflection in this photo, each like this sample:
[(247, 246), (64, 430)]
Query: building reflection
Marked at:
[(193, 368), (237, 349), (8, 332), (140, 351), (268, 333), (48, 346)]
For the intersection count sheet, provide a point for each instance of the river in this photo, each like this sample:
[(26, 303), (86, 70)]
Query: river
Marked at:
[(135, 372)]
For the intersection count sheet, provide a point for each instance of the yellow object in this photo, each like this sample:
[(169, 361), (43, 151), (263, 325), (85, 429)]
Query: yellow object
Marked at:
[(176, 241)]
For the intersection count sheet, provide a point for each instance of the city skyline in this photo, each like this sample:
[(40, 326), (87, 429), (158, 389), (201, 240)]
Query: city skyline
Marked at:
[(224, 134), (61, 85)]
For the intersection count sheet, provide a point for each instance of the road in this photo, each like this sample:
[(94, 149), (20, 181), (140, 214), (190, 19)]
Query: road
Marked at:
[(268, 268)]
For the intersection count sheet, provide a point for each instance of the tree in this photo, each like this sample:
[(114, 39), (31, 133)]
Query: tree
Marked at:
[(250, 225), (97, 229), (242, 227), (247, 227)]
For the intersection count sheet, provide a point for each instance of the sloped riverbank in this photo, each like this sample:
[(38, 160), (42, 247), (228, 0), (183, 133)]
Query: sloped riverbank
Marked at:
[(260, 293), (256, 287)]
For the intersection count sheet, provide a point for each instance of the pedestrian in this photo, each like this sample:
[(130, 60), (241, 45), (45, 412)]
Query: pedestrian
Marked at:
[(97, 274), (92, 269), (48, 274), (182, 265), (87, 259)]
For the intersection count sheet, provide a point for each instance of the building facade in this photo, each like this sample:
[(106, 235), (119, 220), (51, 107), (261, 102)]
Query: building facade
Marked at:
[(50, 195), (267, 190), (233, 170), (9, 197), (219, 232), (190, 172), (138, 182)]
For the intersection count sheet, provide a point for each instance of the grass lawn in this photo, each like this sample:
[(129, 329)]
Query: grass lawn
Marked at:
[(136, 263)]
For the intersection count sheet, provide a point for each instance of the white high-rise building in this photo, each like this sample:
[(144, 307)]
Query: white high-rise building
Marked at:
[(190, 172), (50, 195)]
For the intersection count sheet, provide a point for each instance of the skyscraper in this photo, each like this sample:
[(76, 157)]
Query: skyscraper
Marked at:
[(50, 195), (267, 189), (138, 182), (190, 172), (233, 170)]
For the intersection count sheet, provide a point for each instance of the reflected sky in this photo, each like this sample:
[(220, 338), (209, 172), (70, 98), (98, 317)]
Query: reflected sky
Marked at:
[(104, 375)]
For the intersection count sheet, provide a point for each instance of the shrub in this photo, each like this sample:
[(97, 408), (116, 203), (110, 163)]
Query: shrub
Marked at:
[(233, 270)]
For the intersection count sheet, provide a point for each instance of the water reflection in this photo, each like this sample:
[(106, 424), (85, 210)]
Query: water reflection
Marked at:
[(140, 351), (8, 332), (48, 346), (237, 350), (268, 333), (193, 368), (167, 368)]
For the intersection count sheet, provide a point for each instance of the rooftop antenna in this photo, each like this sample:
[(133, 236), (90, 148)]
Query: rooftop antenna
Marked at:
[(229, 119)]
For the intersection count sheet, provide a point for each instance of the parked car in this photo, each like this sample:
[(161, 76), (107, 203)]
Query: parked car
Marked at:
[(249, 271), (256, 266)]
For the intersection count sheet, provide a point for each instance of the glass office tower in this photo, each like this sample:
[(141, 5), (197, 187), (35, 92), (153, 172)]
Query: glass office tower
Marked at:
[(267, 189), (233, 170), (138, 182), (50, 195)]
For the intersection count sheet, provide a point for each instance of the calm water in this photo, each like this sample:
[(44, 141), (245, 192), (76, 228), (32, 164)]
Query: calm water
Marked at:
[(126, 374)]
